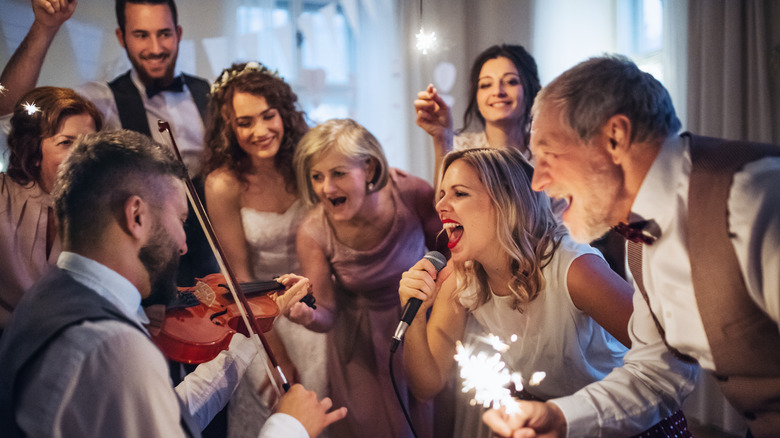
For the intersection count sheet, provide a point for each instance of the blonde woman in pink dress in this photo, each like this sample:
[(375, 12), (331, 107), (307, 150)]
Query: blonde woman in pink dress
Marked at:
[(369, 223)]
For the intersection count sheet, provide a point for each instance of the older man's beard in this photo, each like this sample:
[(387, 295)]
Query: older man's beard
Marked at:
[(161, 259)]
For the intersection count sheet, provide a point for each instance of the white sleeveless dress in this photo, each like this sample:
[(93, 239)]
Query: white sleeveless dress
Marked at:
[(552, 336), (270, 239)]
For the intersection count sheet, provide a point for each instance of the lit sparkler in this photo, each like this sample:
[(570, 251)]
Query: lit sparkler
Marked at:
[(2, 89), (487, 374), (425, 41), (31, 108)]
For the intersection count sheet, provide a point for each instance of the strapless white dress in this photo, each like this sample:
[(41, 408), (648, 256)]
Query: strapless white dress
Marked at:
[(270, 239)]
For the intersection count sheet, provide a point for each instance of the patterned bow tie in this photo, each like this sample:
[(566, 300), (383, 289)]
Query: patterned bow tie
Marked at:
[(176, 85), (645, 232)]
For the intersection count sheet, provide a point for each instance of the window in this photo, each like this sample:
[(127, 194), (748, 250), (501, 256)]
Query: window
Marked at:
[(640, 34), (313, 48)]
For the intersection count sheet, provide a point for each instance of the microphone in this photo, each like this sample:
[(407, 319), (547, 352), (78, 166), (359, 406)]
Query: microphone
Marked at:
[(439, 262)]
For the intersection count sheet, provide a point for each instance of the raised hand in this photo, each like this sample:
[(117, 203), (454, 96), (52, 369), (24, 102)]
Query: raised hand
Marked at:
[(433, 115), (52, 13)]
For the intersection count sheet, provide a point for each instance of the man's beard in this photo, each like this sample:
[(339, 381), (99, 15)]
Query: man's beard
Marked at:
[(160, 257)]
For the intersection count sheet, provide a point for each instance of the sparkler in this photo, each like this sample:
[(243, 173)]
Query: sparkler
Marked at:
[(487, 374), (31, 108), (425, 41)]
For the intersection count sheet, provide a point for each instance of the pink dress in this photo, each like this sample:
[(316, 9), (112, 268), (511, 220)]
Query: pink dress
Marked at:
[(366, 288), (24, 215)]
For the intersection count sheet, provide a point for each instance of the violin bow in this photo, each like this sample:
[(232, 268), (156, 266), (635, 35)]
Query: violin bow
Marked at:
[(238, 295)]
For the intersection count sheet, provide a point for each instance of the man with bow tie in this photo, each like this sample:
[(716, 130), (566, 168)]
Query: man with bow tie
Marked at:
[(149, 32), (702, 216)]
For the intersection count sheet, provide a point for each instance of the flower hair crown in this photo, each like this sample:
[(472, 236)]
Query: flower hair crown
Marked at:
[(229, 74)]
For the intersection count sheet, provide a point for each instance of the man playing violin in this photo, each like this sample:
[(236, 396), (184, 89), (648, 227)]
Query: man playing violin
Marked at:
[(76, 359)]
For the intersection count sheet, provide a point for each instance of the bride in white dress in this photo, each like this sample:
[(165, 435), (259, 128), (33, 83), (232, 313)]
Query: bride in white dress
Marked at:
[(252, 201)]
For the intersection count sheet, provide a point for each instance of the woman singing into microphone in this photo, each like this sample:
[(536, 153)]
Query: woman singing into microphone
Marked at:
[(517, 271)]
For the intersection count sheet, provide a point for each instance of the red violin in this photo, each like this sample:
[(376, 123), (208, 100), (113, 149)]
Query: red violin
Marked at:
[(203, 318), (216, 337)]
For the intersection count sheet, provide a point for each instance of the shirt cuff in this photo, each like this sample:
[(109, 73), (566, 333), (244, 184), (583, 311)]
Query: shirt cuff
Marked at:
[(578, 417), (283, 425)]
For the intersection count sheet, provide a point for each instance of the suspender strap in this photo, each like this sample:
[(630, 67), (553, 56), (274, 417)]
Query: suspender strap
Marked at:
[(634, 255)]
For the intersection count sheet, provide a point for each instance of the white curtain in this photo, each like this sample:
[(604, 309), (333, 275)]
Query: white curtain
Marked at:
[(731, 84), (729, 69)]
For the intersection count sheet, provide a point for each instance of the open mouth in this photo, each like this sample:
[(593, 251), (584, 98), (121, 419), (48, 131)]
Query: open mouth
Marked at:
[(338, 201), (454, 232)]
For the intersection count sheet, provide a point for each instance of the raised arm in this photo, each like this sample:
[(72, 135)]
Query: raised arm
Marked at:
[(21, 73), (429, 349), (601, 293), (316, 268), (435, 118)]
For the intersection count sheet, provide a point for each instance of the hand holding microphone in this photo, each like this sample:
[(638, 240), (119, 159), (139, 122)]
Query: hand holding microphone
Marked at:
[(420, 280)]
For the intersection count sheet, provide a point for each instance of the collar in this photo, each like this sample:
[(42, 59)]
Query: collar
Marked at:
[(106, 282), (661, 184)]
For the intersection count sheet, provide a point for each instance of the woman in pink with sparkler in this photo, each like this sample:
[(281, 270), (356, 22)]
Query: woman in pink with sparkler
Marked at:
[(555, 304), (45, 123)]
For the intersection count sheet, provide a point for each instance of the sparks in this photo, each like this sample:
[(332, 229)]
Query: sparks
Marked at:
[(425, 41), (486, 373), (537, 377), (489, 377), (495, 342), (31, 108), (2, 89)]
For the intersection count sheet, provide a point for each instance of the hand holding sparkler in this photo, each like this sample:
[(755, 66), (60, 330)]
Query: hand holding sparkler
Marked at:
[(531, 419), (434, 115)]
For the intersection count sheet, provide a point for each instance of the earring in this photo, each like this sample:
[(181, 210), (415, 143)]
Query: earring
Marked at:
[(369, 186)]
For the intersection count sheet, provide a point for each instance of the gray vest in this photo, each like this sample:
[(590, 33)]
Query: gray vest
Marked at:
[(744, 340), (53, 304)]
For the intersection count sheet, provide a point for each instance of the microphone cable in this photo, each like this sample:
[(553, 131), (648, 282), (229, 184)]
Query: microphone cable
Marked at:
[(398, 395)]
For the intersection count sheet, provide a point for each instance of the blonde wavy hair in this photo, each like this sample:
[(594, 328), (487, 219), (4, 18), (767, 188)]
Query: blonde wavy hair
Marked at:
[(525, 225)]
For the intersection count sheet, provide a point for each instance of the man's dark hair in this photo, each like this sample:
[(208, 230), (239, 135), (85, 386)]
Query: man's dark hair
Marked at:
[(102, 172), (120, 10)]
